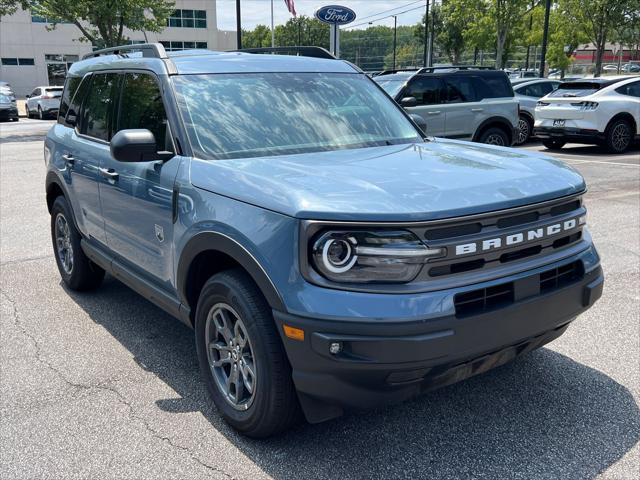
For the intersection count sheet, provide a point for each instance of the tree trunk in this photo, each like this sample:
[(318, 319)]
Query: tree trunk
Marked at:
[(600, 46), (502, 37)]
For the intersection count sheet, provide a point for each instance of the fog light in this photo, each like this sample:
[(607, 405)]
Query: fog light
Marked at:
[(335, 348), (582, 220)]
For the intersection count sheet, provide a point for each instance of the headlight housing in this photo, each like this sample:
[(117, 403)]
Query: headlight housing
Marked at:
[(370, 256)]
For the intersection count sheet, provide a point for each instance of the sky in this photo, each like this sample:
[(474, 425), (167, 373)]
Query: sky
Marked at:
[(256, 12)]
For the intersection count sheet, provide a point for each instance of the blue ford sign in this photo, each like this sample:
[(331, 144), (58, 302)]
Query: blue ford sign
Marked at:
[(335, 14)]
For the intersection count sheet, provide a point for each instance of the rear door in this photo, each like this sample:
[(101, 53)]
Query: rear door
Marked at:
[(137, 197), (427, 90), (463, 109), (90, 147)]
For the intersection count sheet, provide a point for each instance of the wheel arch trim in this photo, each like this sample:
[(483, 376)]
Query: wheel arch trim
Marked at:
[(220, 242)]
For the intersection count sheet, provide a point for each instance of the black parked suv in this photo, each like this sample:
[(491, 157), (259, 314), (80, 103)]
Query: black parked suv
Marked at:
[(463, 102)]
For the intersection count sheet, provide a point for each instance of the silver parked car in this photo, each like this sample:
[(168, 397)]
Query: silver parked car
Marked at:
[(527, 93), (467, 103), (44, 102)]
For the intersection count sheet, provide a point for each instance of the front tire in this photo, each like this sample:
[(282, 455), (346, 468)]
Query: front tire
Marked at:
[(77, 271), (241, 356), (40, 114), (619, 136), (553, 144)]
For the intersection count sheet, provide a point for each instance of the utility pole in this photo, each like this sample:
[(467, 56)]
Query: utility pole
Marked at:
[(431, 32), (545, 37), (273, 32), (426, 35), (395, 38), (238, 26)]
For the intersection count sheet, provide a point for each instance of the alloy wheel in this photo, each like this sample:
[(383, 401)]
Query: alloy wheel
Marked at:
[(620, 137), (230, 356), (63, 243), (523, 131), (495, 139)]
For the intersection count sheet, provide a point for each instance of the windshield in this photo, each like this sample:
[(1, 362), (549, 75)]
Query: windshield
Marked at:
[(392, 87), (263, 114), (5, 98)]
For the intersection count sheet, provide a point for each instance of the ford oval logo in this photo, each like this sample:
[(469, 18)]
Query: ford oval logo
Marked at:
[(335, 14)]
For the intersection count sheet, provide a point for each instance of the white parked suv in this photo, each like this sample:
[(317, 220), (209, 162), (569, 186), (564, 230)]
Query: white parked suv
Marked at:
[(44, 102), (602, 111)]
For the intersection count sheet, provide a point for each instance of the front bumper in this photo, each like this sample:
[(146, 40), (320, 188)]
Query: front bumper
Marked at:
[(8, 114), (384, 362)]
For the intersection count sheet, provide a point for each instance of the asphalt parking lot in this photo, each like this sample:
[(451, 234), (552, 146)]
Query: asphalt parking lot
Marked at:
[(106, 385)]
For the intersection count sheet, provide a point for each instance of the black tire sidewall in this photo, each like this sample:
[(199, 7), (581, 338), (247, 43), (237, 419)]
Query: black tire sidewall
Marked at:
[(222, 288), (85, 275), (495, 131), (553, 144)]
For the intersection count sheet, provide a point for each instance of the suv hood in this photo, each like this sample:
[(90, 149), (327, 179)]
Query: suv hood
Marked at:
[(411, 182)]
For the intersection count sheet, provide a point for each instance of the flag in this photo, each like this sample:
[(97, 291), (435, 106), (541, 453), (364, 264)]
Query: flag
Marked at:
[(291, 7)]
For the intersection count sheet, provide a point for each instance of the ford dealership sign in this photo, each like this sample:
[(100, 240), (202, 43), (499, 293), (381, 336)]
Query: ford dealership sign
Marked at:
[(335, 14)]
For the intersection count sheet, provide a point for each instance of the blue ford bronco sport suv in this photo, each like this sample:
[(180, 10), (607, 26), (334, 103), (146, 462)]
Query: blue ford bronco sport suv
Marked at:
[(326, 254)]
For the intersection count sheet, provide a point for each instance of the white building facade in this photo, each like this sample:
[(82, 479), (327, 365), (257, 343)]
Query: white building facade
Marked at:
[(31, 54)]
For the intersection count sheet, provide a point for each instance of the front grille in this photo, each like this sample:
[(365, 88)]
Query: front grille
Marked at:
[(561, 277), (523, 235), (485, 300)]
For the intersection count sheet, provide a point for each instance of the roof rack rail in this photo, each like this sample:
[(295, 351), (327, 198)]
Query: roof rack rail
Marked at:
[(300, 51), (454, 67), (150, 50)]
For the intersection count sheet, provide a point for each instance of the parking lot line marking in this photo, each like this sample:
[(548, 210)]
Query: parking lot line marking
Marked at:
[(601, 161)]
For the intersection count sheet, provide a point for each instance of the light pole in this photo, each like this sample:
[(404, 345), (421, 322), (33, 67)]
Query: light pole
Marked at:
[(238, 25), (545, 35), (426, 36), (395, 39)]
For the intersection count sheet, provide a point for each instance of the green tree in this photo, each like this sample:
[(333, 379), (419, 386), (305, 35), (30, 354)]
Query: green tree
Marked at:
[(448, 28), (257, 38), (599, 19), (100, 22)]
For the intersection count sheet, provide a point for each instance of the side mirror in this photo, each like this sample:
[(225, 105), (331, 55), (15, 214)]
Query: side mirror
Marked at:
[(419, 121), (409, 102), (72, 118), (136, 145), (27, 96)]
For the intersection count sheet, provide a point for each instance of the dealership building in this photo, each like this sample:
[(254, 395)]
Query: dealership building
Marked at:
[(32, 54)]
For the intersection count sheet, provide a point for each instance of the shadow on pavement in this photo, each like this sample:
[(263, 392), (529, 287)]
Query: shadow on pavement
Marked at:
[(543, 416)]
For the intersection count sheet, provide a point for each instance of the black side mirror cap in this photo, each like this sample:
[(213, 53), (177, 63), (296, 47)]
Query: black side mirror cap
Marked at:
[(136, 145), (409, 102), (419, 121)]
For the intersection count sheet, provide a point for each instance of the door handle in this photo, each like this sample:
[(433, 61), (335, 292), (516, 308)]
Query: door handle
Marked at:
[(477, 109), (109, 173), (433, 112), (68, 159)]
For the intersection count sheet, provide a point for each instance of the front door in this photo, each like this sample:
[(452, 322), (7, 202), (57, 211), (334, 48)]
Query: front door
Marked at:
[(427, 91), (136, 197)]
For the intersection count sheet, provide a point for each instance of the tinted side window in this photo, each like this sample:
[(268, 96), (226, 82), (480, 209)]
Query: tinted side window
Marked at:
[(545, 88), (142, 107), (534, 90), (631, 89), (460, 89), (425, 89), (36, 92), (97, 111), (73, 113), (494, 85), (70, 88)]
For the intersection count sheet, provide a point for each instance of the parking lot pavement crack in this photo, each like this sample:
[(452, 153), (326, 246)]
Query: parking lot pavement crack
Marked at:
[(24, 260), (105, 387)]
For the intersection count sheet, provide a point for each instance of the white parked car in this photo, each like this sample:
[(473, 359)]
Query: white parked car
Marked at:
[(44, 102), (602, 111)]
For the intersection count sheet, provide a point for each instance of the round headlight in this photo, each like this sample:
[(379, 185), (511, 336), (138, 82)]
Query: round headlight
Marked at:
[(338, 255)]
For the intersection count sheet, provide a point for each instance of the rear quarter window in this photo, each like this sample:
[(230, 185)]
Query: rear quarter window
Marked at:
[(493, 86), (70, 88)]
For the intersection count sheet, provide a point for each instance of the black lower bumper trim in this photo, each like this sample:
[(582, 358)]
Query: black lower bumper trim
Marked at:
[(386, 362)]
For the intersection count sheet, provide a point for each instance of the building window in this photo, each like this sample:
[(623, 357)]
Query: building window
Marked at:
[(57, 66), (188, 19), (14, 62), (40, 19), (176, 46)]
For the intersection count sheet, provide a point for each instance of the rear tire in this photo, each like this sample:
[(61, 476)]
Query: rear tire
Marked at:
[(553, 144), (77, 271), (495, 136), (619, 136), (246, 370), (40, 114)]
